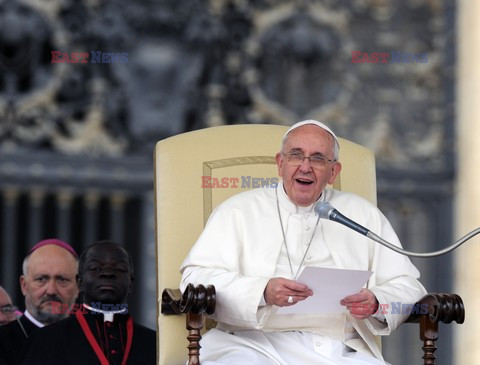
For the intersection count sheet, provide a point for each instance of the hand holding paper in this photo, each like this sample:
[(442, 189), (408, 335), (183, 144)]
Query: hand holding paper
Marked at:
[(361, 305), (279, 289), (329, 287)]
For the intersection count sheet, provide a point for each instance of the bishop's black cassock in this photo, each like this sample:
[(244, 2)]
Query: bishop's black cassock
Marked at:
[(66, 342), (13, 338)]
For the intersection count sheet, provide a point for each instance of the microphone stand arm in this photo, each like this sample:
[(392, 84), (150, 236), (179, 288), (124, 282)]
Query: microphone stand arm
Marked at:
[(443, 251)]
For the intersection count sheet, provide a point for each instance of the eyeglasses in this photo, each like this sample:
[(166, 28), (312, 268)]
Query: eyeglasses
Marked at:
[(317, 160), (8, 309)]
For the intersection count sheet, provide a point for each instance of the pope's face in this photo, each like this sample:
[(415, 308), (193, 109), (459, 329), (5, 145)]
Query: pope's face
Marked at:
[(106, 275), (303, 183), (50, 280)]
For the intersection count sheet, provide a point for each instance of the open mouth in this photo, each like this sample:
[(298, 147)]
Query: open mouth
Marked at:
[(305, 182)]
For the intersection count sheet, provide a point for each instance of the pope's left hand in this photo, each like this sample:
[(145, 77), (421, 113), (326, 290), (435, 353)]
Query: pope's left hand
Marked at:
[(361, 305)]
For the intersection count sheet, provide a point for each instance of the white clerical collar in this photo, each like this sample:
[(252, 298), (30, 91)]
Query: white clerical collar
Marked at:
[(33, 320), (107, 315), (291, 207)]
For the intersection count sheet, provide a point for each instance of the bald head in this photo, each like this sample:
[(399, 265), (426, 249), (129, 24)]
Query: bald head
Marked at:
[(49, 279), (4, 297), (7, 313)]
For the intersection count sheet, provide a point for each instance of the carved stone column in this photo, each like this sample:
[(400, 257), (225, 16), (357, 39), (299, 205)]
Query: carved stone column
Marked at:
[(467, 257)]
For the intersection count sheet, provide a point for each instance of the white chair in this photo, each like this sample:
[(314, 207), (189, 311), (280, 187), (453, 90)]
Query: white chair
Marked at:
[(189, 169)]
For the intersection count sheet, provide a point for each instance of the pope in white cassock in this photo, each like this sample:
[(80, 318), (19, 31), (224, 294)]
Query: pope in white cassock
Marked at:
[(256, 243)]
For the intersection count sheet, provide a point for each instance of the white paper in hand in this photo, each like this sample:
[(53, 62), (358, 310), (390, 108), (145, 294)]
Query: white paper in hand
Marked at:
[(329, 287)]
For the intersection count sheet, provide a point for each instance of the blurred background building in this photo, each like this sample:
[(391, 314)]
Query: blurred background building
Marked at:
[(76, 139)]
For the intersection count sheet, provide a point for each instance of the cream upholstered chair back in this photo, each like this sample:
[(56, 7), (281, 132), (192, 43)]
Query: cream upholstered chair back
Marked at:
[(196, 171)]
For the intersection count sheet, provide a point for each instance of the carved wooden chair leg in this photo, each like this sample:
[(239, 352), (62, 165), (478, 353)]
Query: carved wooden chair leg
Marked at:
[(194, 326), (429, 311), (195, 302), (428, 334)]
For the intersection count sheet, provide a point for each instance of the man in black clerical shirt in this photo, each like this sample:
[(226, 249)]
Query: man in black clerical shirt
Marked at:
[(48, 280), (100, 331)]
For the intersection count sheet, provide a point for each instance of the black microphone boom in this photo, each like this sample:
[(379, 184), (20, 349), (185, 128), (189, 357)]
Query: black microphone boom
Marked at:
[(326, 211)]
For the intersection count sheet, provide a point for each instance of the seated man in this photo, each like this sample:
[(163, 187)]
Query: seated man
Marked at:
[(48, 279), (100, 331), (7, 310), (255, 245)]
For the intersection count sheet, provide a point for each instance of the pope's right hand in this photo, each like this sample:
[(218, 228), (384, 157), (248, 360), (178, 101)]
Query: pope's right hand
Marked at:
[(285, 292)]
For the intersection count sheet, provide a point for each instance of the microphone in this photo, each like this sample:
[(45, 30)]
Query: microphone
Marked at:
[(326, 211)]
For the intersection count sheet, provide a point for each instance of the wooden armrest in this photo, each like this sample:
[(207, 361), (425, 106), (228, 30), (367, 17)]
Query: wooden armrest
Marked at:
[(194, 302), (198, 300), (439, 307), (429, 311)]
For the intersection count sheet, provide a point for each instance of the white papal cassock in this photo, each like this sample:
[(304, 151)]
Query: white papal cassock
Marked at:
[(242, 247)]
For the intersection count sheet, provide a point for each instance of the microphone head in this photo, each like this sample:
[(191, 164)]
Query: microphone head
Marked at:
[(323, 209)]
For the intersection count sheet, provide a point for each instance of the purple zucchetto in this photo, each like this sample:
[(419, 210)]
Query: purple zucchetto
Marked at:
[(56, 242)]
